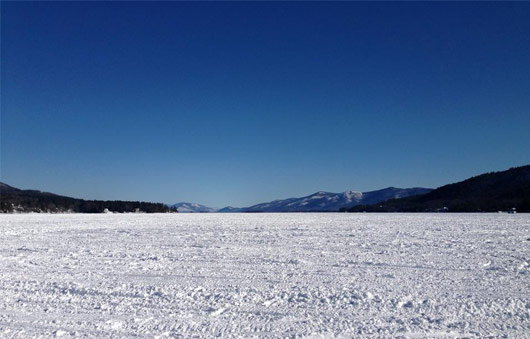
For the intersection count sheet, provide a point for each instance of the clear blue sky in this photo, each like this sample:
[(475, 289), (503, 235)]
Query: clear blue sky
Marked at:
[(237, 103)]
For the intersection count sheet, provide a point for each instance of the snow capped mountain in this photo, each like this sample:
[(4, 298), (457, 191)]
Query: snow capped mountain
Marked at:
[(230, 209), (188, 207), (319, 201), (326, 201)]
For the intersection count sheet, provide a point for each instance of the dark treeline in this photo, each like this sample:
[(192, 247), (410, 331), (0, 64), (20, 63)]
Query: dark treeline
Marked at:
[(490, 192), (13, 199)]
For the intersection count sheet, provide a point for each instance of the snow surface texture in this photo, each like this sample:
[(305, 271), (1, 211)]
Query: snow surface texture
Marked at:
[(272, 275)]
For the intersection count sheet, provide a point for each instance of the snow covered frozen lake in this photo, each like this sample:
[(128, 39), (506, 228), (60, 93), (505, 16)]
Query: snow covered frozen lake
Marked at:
[(272, 275)]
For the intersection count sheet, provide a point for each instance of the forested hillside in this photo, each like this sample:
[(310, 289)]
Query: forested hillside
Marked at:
[(16, 200), (490, 192)]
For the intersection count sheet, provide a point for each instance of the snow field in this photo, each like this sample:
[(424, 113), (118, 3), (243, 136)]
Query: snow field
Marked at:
[(265, 275)]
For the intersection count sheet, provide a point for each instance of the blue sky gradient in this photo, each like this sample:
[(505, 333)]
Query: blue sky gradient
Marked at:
[(238, 103)]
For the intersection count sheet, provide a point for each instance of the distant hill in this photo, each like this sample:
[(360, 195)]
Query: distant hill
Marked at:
[(490, 192), (189, 207), (329, 202), (16, 200)]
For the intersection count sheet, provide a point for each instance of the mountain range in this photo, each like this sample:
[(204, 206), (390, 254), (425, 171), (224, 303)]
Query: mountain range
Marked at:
[(495, 191), (316, 202)]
